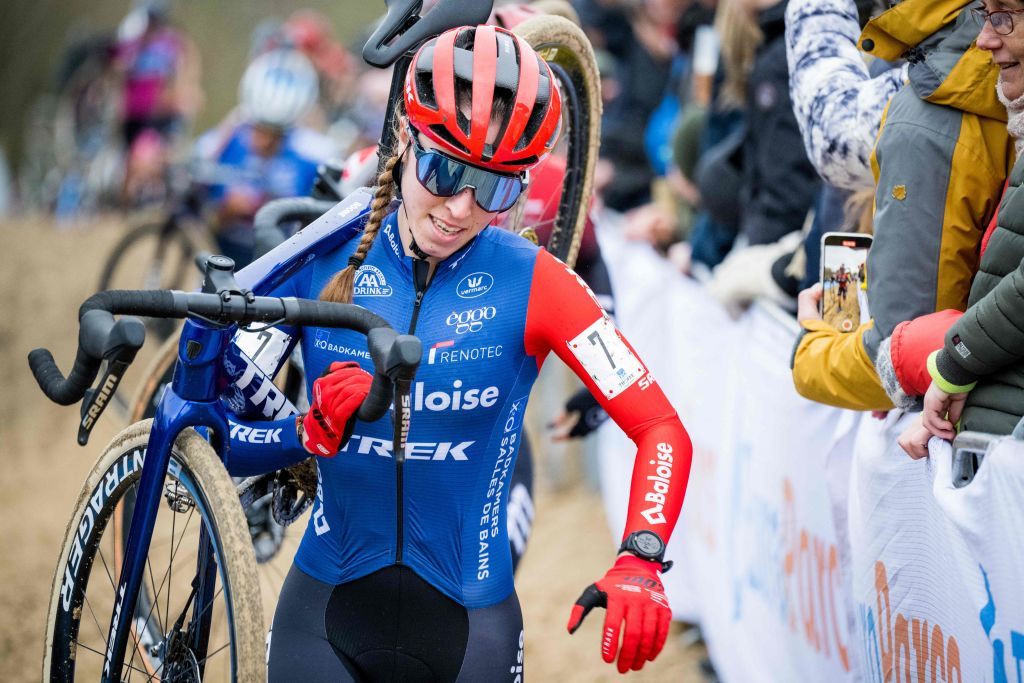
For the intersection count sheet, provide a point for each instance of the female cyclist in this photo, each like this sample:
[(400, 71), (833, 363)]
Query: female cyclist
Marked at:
[(404, 572)]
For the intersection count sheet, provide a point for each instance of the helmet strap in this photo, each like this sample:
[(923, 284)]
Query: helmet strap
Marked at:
[(396, 173), (417, 252)]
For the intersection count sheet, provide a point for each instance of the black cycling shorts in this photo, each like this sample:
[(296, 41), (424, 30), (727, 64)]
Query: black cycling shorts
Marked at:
[(390, 626)]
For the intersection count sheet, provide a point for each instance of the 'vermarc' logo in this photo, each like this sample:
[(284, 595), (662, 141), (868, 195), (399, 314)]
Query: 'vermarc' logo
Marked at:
[(369, 281), (474, 285)]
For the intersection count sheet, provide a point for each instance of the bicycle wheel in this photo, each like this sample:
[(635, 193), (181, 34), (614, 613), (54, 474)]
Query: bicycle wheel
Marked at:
[(567, 50), (274, 545), (170, 640), (157, 255)]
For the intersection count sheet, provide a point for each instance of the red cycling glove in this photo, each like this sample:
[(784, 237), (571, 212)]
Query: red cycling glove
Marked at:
[(337, 395), (632, 592)]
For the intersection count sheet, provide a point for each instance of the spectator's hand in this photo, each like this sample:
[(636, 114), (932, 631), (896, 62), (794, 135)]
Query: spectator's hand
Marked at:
[(658, 43), (683, 187), (807, 303), (942, 411), (680, 255), (561, 428), (914, 440), (746, 274), (604, 174), (653, 224)]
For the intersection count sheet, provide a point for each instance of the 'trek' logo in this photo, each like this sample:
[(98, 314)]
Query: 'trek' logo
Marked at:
[(247, 434), (415, 450), (660, 482)]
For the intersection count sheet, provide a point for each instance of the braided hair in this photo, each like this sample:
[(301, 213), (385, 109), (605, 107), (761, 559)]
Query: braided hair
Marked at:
[(339, 288)]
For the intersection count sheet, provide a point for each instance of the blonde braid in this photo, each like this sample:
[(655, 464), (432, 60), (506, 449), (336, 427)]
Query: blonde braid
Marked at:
[(339, 288)]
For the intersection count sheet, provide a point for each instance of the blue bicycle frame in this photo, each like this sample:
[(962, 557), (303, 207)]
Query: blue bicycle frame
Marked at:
[(207, 364)]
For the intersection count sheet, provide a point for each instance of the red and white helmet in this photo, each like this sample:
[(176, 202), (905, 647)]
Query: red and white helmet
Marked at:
[(489, 59)]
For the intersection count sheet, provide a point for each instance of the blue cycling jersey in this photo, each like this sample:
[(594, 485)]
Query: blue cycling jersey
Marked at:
[(445, 520), (487, 319)]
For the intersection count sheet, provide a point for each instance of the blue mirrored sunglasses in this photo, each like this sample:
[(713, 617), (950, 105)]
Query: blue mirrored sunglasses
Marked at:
[(444, 176)]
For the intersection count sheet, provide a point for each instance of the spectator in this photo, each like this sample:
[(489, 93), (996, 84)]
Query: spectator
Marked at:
[(941, 159), (779, 183), (160, 94), (838, 101), (838, 105), (160, 67), (640, 39), (718, 174), (978, 369)]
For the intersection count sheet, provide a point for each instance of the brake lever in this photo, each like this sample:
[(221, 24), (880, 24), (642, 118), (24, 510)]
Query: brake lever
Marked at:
[(125, 339), (97, 398)]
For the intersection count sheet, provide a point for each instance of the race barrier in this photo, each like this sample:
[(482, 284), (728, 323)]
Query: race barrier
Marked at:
[(810, 547)]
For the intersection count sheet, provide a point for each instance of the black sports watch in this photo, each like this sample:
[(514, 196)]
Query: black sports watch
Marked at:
[(646, 545)]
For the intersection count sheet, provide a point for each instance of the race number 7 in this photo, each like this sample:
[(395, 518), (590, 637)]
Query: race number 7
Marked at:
[(595, 339), (606, 358)]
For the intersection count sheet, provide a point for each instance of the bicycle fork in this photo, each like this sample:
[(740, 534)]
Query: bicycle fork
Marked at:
[(174, 414)]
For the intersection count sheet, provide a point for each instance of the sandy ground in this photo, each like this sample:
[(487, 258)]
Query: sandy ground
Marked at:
[(45, 275)]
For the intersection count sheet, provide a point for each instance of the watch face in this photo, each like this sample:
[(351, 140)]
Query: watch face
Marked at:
[(648, 543)]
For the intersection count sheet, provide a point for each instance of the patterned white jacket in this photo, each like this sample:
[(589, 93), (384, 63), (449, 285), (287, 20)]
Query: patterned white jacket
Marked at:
[(838, 105)]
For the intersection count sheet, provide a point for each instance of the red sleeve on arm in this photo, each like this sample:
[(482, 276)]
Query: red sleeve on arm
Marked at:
[(563, 316)]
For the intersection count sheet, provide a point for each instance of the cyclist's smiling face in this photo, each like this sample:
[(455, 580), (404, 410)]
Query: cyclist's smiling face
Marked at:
[(1007, 50), (441, 225)]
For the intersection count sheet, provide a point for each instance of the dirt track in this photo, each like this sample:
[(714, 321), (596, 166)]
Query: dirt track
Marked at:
[(45, 274)]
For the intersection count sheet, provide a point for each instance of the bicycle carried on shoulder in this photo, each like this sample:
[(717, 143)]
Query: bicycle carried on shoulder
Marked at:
[(176, 596)]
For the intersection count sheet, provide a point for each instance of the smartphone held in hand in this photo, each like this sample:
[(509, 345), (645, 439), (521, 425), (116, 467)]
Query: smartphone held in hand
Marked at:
[(844, 279)]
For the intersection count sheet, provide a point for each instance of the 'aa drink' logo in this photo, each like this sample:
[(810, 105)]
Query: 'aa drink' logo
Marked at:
[(369, 281)]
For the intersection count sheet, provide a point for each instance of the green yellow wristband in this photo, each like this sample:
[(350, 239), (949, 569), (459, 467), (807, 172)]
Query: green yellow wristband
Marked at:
[(941, 382)]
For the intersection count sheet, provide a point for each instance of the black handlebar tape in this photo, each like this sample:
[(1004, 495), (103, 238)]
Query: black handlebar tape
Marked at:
[(267, 226), (100, 336), (94, 340), (154, 304), (329, 314), (61, 390), (278, 211)]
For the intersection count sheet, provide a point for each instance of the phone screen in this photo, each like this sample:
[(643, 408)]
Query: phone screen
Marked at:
[(844, 279)]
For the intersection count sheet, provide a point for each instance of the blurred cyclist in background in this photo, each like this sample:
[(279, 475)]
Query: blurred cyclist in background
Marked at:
[(311, 33), (260, 152), (161, 93)]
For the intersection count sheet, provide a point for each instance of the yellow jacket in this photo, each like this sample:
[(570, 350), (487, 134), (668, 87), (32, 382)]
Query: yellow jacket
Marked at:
[(940, 162)]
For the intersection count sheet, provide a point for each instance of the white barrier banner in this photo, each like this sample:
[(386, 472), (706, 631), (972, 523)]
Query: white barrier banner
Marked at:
[(937, 570), (989, 515), (912, 573), (810, 547)]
